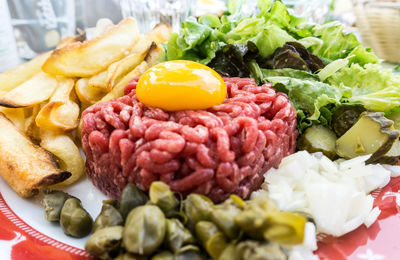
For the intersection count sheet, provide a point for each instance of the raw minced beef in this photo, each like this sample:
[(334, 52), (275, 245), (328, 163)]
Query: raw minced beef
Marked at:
[(216, 152)]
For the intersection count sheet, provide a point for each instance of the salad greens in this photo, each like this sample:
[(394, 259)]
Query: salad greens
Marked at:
[(320, 67), (269, 30), (376, 88)]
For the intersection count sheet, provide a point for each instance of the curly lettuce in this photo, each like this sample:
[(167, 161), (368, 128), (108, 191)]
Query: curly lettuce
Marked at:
[(376, 88), (199, 39)]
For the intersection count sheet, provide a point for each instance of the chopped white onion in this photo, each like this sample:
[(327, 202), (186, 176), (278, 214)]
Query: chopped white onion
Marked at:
[(394, 169), (334, 193), (372, 217)]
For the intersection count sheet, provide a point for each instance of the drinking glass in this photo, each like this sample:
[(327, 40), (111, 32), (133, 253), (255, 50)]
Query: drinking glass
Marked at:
[(316, 11), (149, 13), (39, 25)]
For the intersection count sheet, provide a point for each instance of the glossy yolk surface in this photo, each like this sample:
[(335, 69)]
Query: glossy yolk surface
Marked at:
[(181, 85)]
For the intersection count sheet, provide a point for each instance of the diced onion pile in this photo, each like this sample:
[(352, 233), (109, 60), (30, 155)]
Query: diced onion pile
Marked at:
[(334, 193)]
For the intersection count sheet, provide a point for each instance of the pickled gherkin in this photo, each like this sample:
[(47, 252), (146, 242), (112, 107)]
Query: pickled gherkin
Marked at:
[(161, 195), (131, 198), (109, 216), (372, 134), (144, 230), (345, 117), (318, 138), (105, 243)]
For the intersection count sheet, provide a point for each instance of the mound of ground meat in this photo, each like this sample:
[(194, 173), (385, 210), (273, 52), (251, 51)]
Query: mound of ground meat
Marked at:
[(216, 152)]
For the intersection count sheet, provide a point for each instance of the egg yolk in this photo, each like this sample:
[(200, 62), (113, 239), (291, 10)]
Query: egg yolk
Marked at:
[(181, 85)]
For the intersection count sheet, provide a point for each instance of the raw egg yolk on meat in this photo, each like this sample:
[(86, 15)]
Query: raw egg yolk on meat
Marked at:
[(181, 85)]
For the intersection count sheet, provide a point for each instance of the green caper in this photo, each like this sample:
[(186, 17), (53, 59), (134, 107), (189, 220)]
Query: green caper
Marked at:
[(253, 218), (163, 255), (74, 219), (229, 253), (180, 216), (161, 195), (109, 216), (129, 256), (256, 250), (177, 235), (131, 198), (285, 228), (144, 230), (197, 208), (189, 252), (105, 243), (223, 216), (53, 201), (212, 239)]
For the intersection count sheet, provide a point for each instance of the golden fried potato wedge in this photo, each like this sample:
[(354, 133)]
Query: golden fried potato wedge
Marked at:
[(99, 80), (15, 77), (80, 37), (151, 59), (23, 165), (16, 115), (86, 94), (120, 68), (91, 57), (159, 34), (33, 91), (31, 129), (61, 113), (66, 152)]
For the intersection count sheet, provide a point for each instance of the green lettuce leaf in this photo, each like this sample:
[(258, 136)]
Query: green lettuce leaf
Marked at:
[(196, 41), (308, 95), (376, 88), (292, 73), (270, 38), (362, 56), (338, 44)]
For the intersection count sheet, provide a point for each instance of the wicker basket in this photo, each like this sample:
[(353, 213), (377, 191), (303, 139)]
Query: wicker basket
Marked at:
[(379, 25)]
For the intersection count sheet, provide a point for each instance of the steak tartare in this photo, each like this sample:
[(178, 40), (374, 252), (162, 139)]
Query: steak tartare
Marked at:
[(216, 152)]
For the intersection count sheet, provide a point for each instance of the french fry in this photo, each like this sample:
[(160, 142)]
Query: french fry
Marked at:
[(23, 165), (80, 37), (61, 113), (16, 115), (99, 80), (31, 129), (86, 94), (33, 91), (91, 57), (119, 69), (159, 34), (67, 153), (151, 58), (15, 77), (118, 90)]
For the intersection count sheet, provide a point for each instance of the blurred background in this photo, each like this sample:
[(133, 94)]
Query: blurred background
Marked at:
[(30, 27)]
